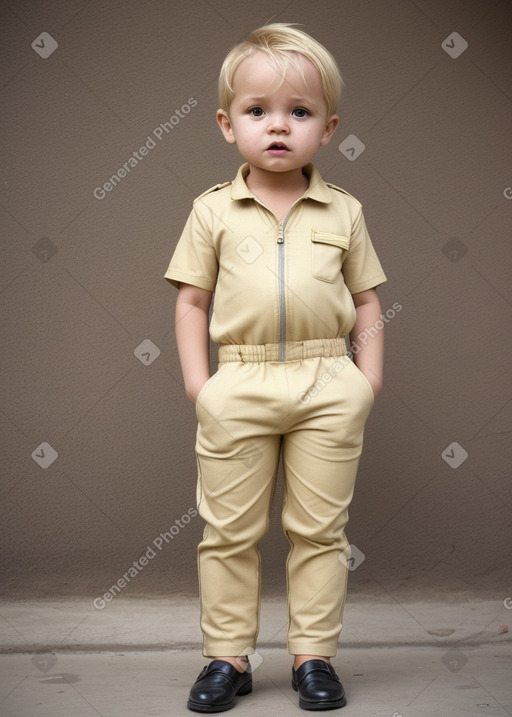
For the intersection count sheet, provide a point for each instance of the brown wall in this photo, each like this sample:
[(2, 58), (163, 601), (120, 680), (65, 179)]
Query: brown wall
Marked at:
[(81, 284)]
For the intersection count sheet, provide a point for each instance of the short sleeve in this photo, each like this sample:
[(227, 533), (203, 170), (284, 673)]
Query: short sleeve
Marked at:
[(361, 269), (195, 259)]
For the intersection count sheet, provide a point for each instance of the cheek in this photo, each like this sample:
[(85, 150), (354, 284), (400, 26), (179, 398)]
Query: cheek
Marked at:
[(249, 132)]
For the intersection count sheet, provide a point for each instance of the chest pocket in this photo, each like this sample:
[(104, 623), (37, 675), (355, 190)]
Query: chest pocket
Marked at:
[(328, 253)]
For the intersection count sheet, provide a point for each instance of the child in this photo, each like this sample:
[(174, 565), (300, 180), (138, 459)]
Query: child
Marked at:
[(294, 272)]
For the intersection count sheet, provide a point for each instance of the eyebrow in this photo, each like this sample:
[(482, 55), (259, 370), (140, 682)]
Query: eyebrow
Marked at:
[(296, 98)]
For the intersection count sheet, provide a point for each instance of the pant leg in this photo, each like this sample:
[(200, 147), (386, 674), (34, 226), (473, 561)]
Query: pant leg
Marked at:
[(238, 456), (321, 453)]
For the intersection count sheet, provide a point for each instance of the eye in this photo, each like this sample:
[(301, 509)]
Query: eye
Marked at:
[(300, 112), (256, 112)]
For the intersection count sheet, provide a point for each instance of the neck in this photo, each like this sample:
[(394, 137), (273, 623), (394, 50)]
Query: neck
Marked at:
[(291, 182)]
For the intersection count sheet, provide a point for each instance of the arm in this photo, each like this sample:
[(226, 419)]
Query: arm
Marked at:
[(191, 327), (370, 356)]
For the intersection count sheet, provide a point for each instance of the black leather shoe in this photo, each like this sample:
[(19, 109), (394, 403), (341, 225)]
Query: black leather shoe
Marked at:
[(217, 687), (318, 686)]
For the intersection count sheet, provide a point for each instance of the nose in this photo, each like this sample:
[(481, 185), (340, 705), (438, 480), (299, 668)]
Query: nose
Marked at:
[(278, 124)]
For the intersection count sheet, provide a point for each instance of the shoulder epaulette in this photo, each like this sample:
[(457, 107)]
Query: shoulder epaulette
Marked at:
[(213, 189), (340, 189)]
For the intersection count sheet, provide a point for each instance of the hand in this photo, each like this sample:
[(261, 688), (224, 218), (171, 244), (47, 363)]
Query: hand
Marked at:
[(375, 383), (194, 390)]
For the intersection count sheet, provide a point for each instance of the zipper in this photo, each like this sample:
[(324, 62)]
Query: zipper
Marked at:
[(281, 352)]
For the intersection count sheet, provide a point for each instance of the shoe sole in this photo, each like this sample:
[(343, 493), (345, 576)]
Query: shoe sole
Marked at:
[(200, 707), (319, 706)]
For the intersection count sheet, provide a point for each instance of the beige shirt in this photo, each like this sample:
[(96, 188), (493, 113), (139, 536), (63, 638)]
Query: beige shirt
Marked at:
[(277, 281)]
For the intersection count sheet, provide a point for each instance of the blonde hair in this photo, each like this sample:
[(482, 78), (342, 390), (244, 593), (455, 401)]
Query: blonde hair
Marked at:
[(279, 41)]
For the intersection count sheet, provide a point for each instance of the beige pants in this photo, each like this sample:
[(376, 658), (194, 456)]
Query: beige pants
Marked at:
[(311, 408)]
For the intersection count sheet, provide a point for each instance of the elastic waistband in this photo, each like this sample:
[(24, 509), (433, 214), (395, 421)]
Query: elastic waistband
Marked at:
[(294, 351)]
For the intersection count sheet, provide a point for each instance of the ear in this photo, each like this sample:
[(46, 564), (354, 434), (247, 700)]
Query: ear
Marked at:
[(330, 129), (225, 126)]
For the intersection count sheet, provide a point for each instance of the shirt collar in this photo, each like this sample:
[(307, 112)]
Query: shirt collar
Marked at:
[(317, 189)]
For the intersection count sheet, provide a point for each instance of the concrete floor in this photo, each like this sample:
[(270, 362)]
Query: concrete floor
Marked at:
[(137, 658)]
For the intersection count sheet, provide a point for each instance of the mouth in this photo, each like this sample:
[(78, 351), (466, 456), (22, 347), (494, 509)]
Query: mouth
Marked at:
[(277, 148)]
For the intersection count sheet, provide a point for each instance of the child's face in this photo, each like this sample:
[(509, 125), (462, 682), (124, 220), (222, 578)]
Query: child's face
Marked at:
[(277, 124)]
